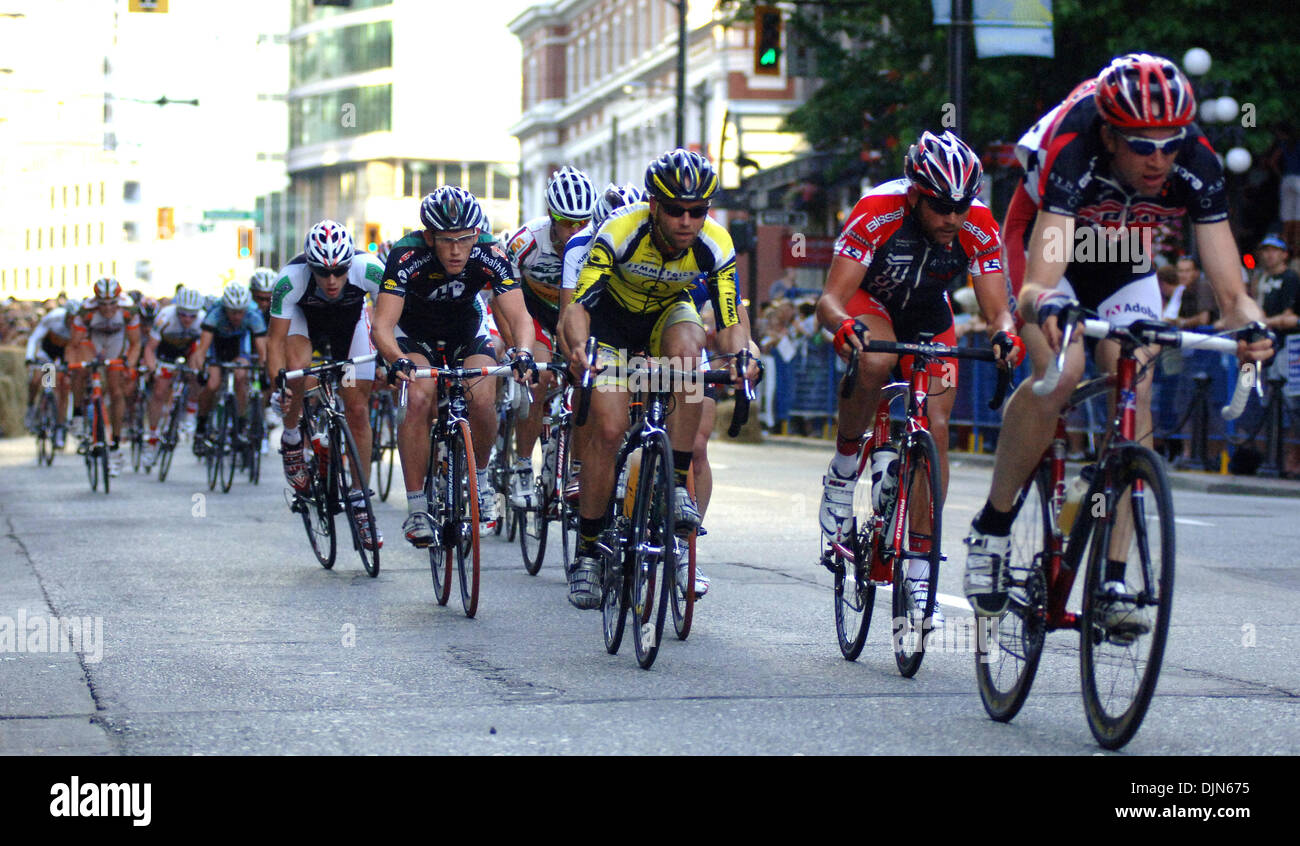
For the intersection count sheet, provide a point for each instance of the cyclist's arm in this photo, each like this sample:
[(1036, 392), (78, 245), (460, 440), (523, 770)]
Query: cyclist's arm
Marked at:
[(843, 280), (388, 309), (575, 326), (34, 341), (275, 345), (259, 347), (1050, 246), (991, 293), (132, 346), (1219, 256), (151, 352), (511, 312), (201, 350)]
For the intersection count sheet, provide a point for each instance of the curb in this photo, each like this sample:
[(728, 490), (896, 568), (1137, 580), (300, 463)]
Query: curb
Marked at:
[(1178, 479)]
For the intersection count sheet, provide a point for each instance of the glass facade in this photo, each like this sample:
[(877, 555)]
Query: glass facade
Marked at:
[(305, 12), (339, 52), (340, 114)]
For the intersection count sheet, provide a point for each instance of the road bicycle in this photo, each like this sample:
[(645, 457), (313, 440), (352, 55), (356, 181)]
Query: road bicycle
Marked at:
[(905, 521), (451, 481), (549, 504), (383, 432), (1125, 515), (137, 416), (333, 468), (640, 546), (94, 446), (46, 418), (512, 404), (229, 441), (169, 428)]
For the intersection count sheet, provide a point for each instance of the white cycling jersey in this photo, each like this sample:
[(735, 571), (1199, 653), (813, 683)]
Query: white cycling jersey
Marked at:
[(51, 324)]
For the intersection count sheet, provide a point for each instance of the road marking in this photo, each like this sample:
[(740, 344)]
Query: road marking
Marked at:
[(1188, 521), (958, 602)]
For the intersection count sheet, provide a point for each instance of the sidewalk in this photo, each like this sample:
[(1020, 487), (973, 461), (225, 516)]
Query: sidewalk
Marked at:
[(1185, 480)]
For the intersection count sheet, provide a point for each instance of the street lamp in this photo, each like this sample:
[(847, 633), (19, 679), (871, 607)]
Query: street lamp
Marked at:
[(1216, 110)]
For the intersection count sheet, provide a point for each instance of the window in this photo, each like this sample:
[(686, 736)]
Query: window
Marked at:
[(29, 240), (316, 118), (101, 232), (39, 233), (63, 276), (51, 237), (76, 235), (408, 180), (65, 196), (115, 267), (130, 192), (500, 183), (52, 190), (101, 193), (478, 179), (76, 195), (64, 229)]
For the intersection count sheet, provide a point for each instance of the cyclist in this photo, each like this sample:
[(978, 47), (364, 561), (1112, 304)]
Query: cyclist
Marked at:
[(633, 293), (174, 336), (536, 254), (108, 328), (234, 331), (1119, 156), (261, 285), (47, 345), (319, 303), (430, 298), (904, 245)]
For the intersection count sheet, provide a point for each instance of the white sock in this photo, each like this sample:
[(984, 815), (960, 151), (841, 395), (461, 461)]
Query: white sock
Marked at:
[(290, 438), (845, 466), (415, 501), (523, 464)]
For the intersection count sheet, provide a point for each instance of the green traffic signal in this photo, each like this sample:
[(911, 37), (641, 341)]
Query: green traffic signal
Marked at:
[(243, 252), (768, 58), (372, 247)]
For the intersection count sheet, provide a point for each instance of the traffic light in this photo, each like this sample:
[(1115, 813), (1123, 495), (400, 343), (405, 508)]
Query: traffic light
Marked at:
[(245, 241), (372, 237), (767, 41), (166, 223)]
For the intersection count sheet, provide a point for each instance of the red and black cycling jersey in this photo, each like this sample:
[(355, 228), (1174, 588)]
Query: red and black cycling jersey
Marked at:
[(905, 269), (437, 305), (1068, 172)]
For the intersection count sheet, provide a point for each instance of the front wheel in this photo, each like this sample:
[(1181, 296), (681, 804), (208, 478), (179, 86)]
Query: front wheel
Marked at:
[(919, 505), (464, 515), (855, 595), (343, 454), (439, 497), (1008, 648), (651, 549), (1123, 627)]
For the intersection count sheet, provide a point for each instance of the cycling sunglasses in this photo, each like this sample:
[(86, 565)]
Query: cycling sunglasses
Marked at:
[(466, 240), (673, 210), (1146, 146), (946, 207), (341, 270), (569, 221)]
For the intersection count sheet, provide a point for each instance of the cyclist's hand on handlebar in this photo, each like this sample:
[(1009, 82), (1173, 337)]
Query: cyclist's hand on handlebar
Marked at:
[(400, 369), (1255, 343), (1048, 308), (753, 373), (852, 334), (521, 362), (1010, 349)]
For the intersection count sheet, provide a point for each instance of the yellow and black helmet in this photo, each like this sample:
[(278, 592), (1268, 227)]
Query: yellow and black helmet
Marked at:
[(681, 175)]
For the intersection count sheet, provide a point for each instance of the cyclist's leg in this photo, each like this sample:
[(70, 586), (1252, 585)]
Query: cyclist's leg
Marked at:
[(116, 382), (527, 429), (603, 434), (700, 453)]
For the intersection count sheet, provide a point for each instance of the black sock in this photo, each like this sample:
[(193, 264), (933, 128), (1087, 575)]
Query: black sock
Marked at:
[(681, 466), (1115, 570), (589, 529), (990, 521)]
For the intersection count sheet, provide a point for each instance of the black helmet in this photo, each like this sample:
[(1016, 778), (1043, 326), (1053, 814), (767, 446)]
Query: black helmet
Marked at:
[(681, 175)]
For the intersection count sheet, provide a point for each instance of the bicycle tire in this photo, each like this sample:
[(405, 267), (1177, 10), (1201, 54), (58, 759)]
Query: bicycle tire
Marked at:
[(169, 440), (1107, 665), (615, 598), (651, 548), (913, 625), (46, 414), (101, 438), (1007, 654), (683, 596), (437, 490), (318, 520), (91, 457), (213, 446), (533, 526), (386, 447), (343, 457), (855, 594), (137, 433), (256, 432), (566, 513), (228, 452), (465, 515), (502, 466)]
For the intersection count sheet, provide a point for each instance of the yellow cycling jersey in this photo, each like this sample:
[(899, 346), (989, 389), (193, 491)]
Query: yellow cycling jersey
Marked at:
[(625, 264)]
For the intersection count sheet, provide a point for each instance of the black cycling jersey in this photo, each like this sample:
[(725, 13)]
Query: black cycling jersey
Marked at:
[(438, 306)]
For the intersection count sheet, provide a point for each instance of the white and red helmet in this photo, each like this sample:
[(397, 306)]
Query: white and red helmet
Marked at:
[(107, 290), (943, 167), (1139, 90), (329, 245)]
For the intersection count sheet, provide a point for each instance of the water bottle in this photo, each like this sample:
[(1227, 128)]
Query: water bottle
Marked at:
[(1074, 498), (320, 448), (884, 477), (549, 449)]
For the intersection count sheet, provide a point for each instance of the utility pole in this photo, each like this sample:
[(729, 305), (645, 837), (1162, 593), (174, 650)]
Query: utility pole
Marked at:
[(681, 73), (960, 12)]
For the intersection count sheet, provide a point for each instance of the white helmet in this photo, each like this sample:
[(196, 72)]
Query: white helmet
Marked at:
[(569, 194), (614, 197), (236, 297), (262, 280), (329, 244), (188, 300)]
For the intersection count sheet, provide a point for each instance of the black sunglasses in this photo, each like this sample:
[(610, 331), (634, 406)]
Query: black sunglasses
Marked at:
[(672, 210), (341, 270), (946, 207)]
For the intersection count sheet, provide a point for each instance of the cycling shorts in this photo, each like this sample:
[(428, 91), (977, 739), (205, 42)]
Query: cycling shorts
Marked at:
[(335, 343), (909, 326)]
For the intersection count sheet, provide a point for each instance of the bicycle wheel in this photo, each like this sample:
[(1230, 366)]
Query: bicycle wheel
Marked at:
[(465, 528), (855, 595), (318, 520), (1121, 665), (437, 490), (615, 597), (169, 439), (228, 453), (683, 595), (343, 458), (533, 525), (255, 431), (651, 550), (385, 446), (1007, 650), (501, 468), (214, 446), (921, 490), (101, 438), (137, 434), (92, 451), (45, 420), (566, 513)]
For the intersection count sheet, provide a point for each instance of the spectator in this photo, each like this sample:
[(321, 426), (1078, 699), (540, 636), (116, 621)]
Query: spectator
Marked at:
[(1279, 293), (1284, 160), (1198, 305)]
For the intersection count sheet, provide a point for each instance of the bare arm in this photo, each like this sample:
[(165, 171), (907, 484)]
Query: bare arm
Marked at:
[(1050, 245), (1221, 260)]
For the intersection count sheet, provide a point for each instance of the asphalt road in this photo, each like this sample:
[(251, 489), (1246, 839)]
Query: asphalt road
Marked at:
[(221, 635)]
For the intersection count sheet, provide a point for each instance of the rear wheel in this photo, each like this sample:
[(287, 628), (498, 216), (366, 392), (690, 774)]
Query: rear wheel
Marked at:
[(855, 595), (650, 553), (385, 446), (1008, 648), (45, 422), (255, 431), (683, 591), (228, 455), (1121, 656), (343, 451), (318, 520), (465, 515), (169, 439), (921, 491)]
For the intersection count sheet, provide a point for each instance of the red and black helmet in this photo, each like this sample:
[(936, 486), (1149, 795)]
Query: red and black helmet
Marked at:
[(1139, 90), (943, 167)]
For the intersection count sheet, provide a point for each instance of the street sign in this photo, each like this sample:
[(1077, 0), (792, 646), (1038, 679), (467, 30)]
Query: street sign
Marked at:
[(781, 217), (1292, 352), (231, 214), (147, 6)]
